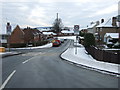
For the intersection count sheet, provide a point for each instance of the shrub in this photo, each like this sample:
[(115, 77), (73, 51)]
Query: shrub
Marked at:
[(89, 40), (17, 45), (40, 43)]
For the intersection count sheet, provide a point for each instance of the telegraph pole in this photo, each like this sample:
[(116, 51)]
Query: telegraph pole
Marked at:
[(57, 16)]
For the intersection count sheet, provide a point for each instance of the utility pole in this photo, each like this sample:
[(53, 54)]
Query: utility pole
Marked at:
[(57, 16), (57, 23)]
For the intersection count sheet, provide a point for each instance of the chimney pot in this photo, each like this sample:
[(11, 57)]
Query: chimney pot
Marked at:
[(102, 20), (114, 21)]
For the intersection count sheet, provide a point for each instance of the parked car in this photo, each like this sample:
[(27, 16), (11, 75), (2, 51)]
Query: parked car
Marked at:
[(62, 40), (56, 43), (65, 39)]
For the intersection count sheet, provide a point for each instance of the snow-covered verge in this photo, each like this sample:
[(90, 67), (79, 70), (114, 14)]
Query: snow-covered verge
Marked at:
[(49, 45), (83, 59), (2, 53), (112, 49), (9, 53)]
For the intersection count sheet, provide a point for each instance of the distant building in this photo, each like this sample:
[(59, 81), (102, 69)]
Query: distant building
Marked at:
[(42, 29), (84, 30), (67, 32)]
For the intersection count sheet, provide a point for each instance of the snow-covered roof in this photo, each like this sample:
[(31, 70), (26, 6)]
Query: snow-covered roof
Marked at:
[(65, 31), (91, 26), (104, 25), (44, 28), (83, 28), (49, 33), (108, 23), (112, 35)]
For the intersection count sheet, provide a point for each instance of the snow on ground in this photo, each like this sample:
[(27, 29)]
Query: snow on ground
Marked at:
[(2, 53), (82, 58), (49, 45), (81, 54), (87, 60), (112, 49)]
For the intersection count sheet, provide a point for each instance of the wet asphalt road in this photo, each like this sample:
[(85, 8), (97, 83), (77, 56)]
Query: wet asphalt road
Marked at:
[(43, 68)]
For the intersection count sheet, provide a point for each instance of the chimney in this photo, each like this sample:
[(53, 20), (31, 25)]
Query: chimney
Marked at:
[(102, 20), (114, 21), (97, 22)]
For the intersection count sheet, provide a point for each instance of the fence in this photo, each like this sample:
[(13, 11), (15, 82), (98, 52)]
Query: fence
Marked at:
[(102, 55)]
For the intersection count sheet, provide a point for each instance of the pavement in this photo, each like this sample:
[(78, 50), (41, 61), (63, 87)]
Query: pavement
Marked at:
[(17, 51), (87, 61), (11, 53)]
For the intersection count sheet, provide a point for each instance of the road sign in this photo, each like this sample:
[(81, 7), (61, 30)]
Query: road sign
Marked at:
[(76, 29)]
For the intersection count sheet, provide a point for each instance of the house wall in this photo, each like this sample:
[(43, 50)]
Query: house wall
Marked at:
[(28, 37), (17, 36), (103, 31), (92, 30)]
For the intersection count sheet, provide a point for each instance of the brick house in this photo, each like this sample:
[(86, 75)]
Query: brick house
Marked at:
[(107, 27), (17, 36), (25, 36)]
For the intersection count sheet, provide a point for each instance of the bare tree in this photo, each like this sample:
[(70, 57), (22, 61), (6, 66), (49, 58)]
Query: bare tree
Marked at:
[(57, 25)]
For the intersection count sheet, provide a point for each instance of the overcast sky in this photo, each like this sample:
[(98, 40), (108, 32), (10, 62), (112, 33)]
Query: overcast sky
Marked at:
[(38, 13)]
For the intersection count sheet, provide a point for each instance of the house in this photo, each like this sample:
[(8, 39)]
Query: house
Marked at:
[(92, 27), (17, 36), (111, 26), (25, 36), (111, 38), (32, 35)]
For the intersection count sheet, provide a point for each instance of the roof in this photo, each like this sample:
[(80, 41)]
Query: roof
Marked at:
[(112, 35), (44, 28), (49, 33), (108, 23), (93, 25), (104, 25), (18, 27), (83, 28), (65, 31)]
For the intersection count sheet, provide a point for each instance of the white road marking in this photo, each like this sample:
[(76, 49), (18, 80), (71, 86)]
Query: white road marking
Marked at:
[(32, 58), (26, 61), (6, 81)]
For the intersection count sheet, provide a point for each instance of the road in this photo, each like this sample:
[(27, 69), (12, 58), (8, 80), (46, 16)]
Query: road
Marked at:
[(43, 68)]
